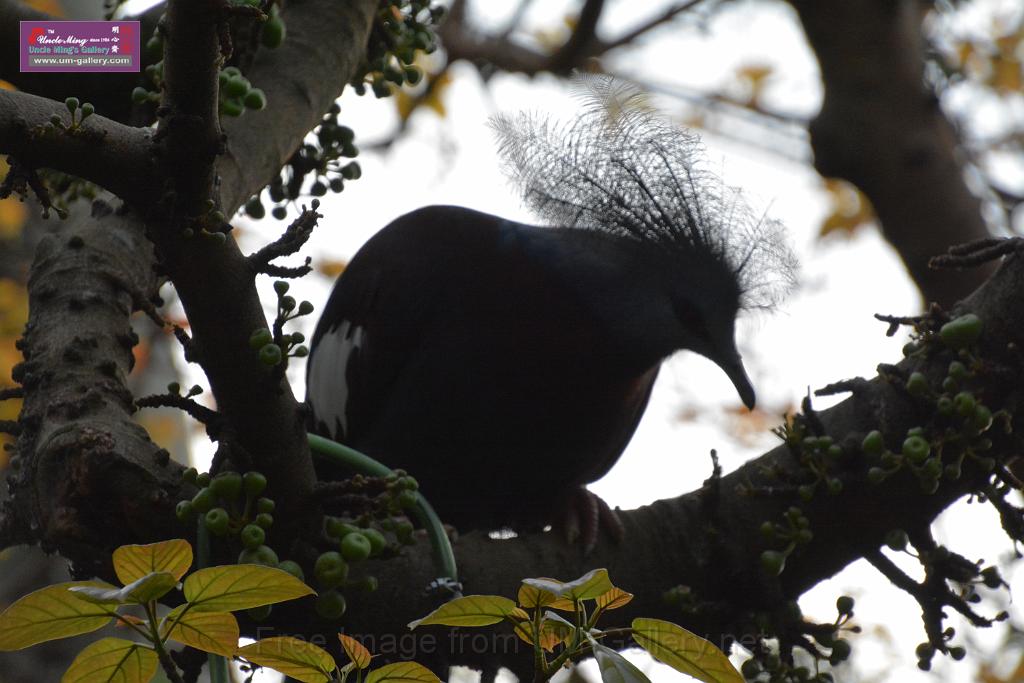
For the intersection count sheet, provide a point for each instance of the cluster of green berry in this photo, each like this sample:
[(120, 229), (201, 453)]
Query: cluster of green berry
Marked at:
[(401, 28), (795, 531), (237, 93), (820, 457), (232, 507), (154, 81), (320, 158), (360, 538), (767, 666), (956, 432), (79, 113), (275, 348)]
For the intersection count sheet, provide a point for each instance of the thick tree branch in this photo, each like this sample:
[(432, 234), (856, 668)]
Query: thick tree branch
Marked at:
[(710, 540), (882, 129), (110, 154), (90, 478)]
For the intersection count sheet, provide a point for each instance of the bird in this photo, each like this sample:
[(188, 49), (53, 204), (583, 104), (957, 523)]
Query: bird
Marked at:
[(506, 365)]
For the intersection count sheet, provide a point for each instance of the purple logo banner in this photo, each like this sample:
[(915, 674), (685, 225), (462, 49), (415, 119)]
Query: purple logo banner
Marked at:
[(80, 46)]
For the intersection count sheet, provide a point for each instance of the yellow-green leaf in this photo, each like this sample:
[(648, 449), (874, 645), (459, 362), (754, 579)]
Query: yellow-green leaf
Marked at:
[(591, 585), (471, 610), (684, 651), (149, 587), (531, 597), (215, 632), (241, 586), (293, 657), (132, 562), (113, 659), (355, 650), (411, 672), (614, 599), (553, 631), (51, 613), (614, 667)]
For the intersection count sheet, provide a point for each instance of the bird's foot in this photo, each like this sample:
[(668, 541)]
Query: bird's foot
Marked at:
[(583, 516)]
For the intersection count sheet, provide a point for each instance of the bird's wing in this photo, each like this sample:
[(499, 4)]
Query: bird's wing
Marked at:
[(373, 322)]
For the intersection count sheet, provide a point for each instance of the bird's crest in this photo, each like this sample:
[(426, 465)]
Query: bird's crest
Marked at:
[(621, 168)]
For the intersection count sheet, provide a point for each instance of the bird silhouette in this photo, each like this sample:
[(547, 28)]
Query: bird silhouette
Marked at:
[(507, 365)]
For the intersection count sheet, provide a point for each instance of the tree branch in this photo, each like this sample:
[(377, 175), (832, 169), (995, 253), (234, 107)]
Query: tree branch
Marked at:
[(880, 128)]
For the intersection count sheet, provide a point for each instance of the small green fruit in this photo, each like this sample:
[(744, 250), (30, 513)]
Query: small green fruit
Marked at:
[(227, 485), (916, 449), (271, 355), (232, 107), (961, 332), (255, 99), (377, 541), (292, 568), (260, 338), (254, 483), (355, 547), (873, 443), (254, 209), (844, 604), (237, 86), (773, 562), (331, 604), (216, 521), (273, 33), (184, 510), (253, 536), (204, 500), (964, 403), (917, 384), (330, 569), (840, 652), (263, 555), (264, 520)]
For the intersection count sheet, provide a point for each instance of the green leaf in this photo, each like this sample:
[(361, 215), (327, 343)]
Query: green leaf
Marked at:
[(554, 630), (132, 562), (215, 632), (51, 613), (591, 585), (355, 650), (113, 659), (614, 667), (684, 651), (471, 610), (293, 657), (149, 587), (403, 671), (614, 599), (241, 586), (534, 598)]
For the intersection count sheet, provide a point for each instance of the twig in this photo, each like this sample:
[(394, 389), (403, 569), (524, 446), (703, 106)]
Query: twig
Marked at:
[(13, 392), (209, 418), (289, 243), (977, 252)]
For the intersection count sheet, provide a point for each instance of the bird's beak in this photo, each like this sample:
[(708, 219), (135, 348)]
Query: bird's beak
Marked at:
[(733, 367)]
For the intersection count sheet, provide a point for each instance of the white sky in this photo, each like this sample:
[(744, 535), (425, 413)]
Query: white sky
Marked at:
[(822, 334)]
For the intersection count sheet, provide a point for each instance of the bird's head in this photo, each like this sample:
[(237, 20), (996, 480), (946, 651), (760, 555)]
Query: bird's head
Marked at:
[(689, 254)]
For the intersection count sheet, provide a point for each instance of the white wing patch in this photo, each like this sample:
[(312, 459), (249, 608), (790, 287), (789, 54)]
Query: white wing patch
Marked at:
[(328, 382)]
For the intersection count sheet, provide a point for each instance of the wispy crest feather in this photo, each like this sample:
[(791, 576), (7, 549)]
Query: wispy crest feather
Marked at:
[(621, 168)]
